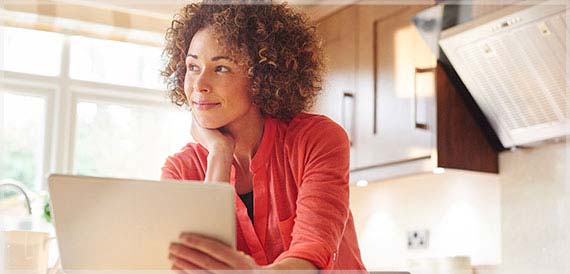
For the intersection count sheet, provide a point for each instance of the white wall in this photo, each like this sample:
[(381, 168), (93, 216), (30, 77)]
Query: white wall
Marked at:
[(516, 222), (535, 203), (460, 209)]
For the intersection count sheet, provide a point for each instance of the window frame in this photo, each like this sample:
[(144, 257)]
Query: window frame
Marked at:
[(62, 95), (17, 86), (94, 94)]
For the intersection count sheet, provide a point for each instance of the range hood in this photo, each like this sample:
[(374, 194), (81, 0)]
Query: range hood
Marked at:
[(514, 64)]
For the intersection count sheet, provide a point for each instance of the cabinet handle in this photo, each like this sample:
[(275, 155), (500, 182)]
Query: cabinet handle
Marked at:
[(430, 72), (348, 109)]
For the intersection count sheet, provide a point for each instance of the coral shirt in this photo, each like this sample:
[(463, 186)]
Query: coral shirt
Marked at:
[(301, 193)]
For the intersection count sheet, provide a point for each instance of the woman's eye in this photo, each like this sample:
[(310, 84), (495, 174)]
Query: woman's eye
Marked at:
[(192, 67), (222, 69)]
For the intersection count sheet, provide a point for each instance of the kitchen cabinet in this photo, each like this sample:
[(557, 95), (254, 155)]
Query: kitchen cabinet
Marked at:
[(338, 98), (381, 87)]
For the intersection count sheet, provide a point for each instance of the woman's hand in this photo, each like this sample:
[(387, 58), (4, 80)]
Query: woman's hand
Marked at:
[(220, 148), (214, 140), (195, 252)]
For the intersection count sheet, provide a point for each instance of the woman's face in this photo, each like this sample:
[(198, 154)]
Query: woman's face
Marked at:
[(215, 86)]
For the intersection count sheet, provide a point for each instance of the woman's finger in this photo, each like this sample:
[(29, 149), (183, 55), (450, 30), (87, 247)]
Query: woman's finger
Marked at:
[(199, 259), (210, 138), (218, 250), (177, 270), (194, 129), (182, 266)]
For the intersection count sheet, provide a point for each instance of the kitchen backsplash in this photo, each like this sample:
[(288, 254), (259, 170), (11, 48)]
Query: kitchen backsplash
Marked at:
[(460, 209), (514, 222)]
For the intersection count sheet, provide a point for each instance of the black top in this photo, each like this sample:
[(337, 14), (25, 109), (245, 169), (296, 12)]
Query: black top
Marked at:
[(247, 199)]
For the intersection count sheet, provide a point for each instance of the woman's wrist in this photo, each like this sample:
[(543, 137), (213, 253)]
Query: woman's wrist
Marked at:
[(219, 166), (221, 151), (222, 156)]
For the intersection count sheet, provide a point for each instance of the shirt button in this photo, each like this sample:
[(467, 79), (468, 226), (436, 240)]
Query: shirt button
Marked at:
[(334, 257)]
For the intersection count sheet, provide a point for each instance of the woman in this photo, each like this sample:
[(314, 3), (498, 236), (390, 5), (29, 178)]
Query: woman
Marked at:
[(248, 72)]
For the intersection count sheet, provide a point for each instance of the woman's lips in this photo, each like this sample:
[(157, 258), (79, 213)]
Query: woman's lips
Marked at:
[(204, 105)]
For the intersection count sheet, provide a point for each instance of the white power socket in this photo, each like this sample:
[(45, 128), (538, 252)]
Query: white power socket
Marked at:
[(418, 239)]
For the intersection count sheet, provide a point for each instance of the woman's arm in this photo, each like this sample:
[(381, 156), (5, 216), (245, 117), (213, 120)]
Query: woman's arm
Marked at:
[(323, 195), (219, 166)]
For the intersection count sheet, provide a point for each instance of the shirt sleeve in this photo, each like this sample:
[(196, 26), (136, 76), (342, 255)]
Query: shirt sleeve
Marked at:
[(188, 164), (170, 171), (323, 197)]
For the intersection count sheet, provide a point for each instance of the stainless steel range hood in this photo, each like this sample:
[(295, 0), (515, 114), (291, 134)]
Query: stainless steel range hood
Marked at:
[(514, 64)]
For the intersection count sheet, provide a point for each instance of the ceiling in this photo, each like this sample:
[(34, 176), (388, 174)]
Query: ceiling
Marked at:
[(165, 9)]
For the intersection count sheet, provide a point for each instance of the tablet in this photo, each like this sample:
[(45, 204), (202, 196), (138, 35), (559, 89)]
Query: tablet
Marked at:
[(107, 223)]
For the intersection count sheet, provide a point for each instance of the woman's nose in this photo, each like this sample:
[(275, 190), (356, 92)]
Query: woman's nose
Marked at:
[(202, 83)]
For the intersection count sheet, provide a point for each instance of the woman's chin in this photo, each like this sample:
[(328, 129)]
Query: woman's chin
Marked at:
[(208, 124), (212, 127)]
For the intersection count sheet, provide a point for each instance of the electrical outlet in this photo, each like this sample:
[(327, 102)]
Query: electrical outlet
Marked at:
[(418, 239)]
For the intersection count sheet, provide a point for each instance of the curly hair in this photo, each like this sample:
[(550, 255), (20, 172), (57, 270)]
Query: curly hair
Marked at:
[(278, 47)]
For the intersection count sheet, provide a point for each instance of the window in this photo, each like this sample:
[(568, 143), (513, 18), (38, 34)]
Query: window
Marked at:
[(115, 62), (22, 123), (30, 51), (114, 140), (83, 106)]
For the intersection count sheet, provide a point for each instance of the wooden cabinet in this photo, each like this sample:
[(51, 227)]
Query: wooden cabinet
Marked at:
[(375, 58), (338, 98), (380, 86), (391, 56)]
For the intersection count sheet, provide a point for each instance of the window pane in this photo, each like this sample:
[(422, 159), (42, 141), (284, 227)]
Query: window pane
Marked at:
[(123, 141), (22, 121), (115, 62), (30, 51)]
